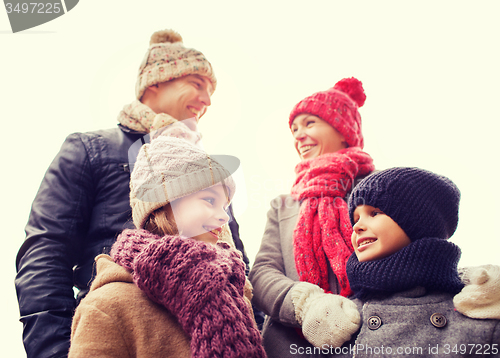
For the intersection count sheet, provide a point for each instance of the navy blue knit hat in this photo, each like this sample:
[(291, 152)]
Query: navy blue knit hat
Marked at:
[(422, 203)]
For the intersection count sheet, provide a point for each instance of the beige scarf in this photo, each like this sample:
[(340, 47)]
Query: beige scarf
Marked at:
[(141, 118)]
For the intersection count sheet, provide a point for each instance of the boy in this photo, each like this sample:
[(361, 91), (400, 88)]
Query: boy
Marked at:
[(404, 271)]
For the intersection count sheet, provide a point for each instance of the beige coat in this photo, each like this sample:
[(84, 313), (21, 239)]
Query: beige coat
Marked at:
[(116, 319)]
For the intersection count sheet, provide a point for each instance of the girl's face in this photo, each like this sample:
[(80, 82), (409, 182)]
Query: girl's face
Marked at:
[(375, 234), (314, 136), (201, 215)]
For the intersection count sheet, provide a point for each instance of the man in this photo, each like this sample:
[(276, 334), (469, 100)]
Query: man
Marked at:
[(83, 200)]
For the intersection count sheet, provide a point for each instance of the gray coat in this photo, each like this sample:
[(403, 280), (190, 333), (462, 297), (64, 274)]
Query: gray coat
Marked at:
[(274, 274), (422, 324)]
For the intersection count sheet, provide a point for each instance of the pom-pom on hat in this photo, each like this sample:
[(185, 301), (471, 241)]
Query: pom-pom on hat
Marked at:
[(167, 59), (170, 168), (339, 107), (422, 203)]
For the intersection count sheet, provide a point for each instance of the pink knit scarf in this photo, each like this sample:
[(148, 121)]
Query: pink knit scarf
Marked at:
[(323, 230), (200, 284)]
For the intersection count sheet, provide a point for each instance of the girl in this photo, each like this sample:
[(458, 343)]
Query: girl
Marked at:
[(404, 271), (170, 288), (306, 242)]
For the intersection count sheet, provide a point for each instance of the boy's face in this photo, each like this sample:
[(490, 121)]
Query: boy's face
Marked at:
[(201, 215), (314, 136), (375, 235), (183, 98)]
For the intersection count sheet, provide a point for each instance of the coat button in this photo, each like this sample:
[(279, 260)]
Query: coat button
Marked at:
[(438, 320), (374, 322)]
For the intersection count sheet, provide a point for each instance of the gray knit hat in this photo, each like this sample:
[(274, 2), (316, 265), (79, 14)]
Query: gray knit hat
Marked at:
[(170, 168), (167, 59)]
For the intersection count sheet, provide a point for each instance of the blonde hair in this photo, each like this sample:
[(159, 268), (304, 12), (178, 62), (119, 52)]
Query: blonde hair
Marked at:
[(161, 222)]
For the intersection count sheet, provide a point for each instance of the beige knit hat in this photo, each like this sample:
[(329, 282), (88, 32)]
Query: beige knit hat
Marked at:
[(170, 168), (167, 59)]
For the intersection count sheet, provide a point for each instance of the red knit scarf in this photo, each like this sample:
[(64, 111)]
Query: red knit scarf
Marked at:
[(323, 230), (200, 284)]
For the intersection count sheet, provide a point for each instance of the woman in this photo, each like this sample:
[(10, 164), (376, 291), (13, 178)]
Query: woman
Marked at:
[(306, 242)]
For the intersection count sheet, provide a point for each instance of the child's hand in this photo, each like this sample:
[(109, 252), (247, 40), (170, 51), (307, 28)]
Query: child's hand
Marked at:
[(325, 318), (480, 298)]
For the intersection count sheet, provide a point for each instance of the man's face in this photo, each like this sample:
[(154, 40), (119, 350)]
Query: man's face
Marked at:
[(184, 97)]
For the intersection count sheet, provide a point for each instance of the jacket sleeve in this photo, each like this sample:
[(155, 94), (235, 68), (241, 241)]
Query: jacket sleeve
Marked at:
[(234, 227), (235, 232), (495, 339), (58, 221), (96, 334), (271, 286)]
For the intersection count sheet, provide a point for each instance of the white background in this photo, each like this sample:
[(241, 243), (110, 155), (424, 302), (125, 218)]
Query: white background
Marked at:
[(430, 70)]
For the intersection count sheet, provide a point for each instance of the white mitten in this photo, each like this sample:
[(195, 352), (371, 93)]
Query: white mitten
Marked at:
[(480, 298), (325, 318)]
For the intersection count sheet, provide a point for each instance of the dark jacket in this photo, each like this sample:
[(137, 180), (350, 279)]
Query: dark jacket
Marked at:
[(80, 208)]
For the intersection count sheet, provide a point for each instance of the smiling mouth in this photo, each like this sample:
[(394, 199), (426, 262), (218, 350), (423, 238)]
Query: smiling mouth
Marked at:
[(306, 148), (194, 111), (366, 242), (215, 232)]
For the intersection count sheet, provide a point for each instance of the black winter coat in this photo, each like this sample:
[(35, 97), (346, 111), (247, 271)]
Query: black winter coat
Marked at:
[(81, 206)]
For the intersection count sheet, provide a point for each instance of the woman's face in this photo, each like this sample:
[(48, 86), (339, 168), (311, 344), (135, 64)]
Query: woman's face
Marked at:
[(314, 136)]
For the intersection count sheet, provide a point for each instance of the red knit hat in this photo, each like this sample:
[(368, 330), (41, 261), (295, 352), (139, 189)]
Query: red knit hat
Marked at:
[(339, 107)]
